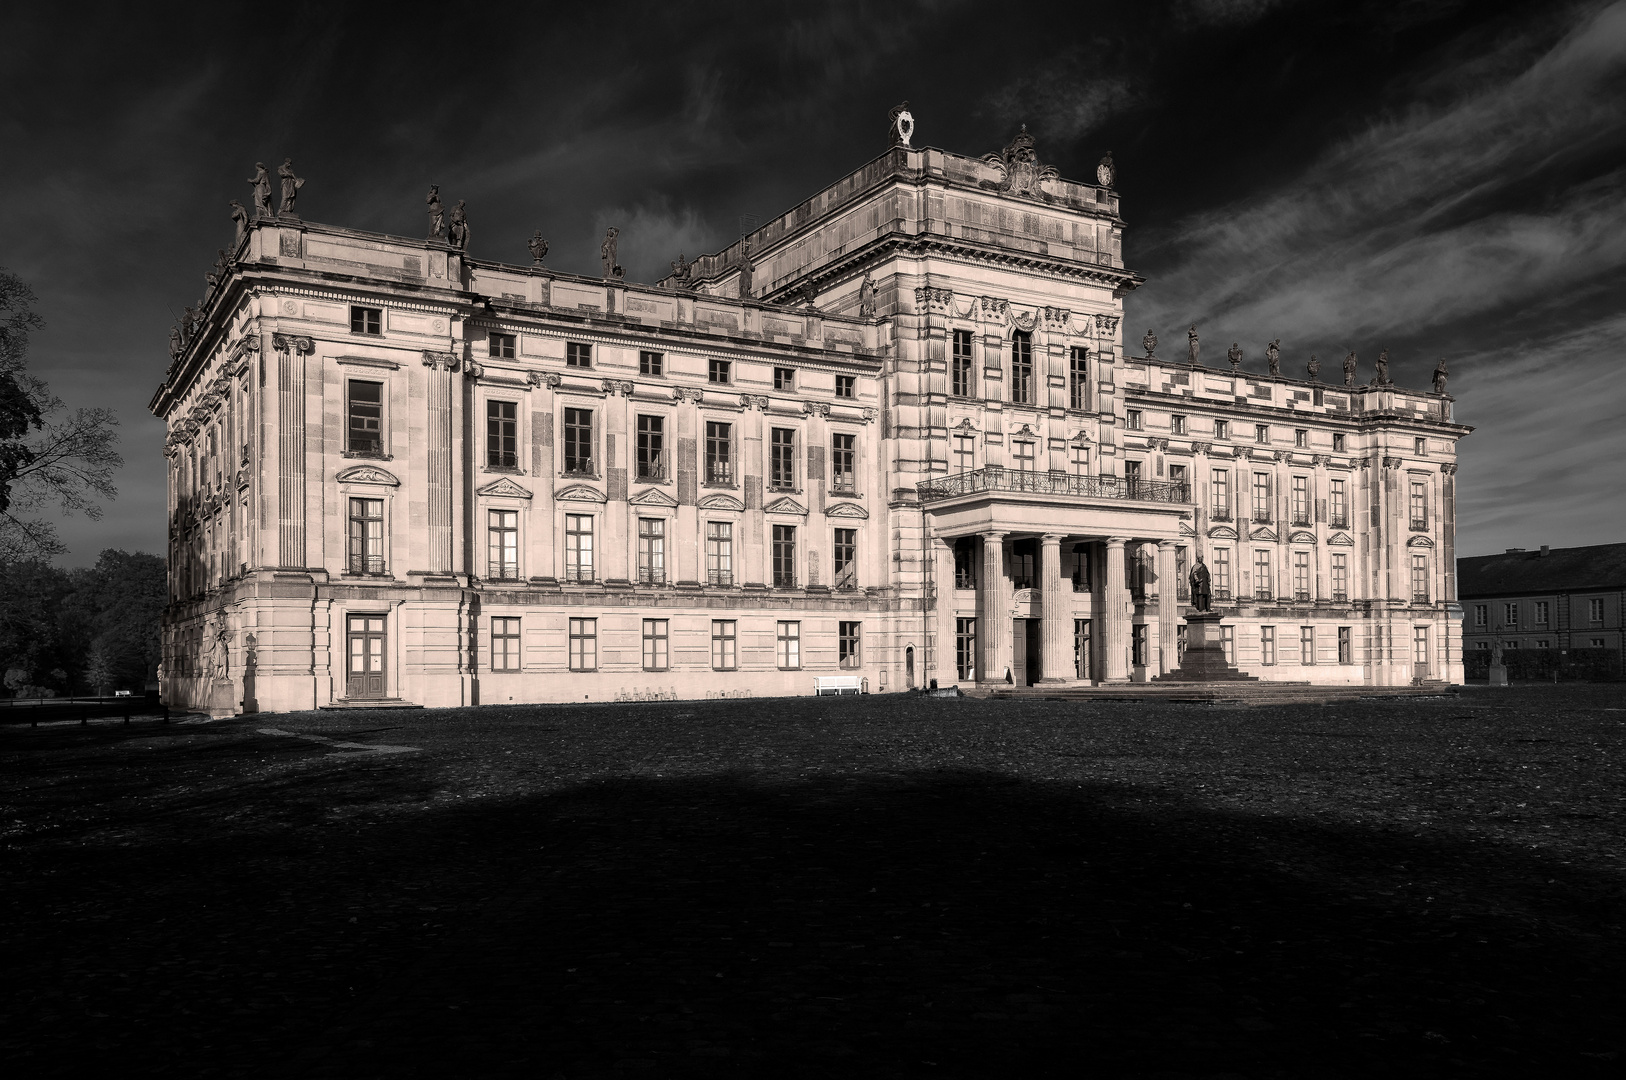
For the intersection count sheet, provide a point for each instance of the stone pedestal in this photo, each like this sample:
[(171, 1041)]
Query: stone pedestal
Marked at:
[(222, 698), (1205, 653), (1498, 674)]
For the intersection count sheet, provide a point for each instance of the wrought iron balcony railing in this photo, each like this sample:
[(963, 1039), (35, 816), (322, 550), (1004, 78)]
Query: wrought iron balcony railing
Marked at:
[(719, 472), (652, 575), (964, 580), (1338, 521), (1261, 517), (999, 478), (1220, 514), (509, 572), (366, 564), (720, 577), (579, 573)]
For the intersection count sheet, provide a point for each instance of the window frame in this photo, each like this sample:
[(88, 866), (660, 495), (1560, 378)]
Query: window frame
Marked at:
[(846, 387), (1267, 646), (1022, 388), (498, 535), (1339, 570), (570, 462), (784, 378), (649, 448), (653, 364), (366, 321), (506, 644), (502, 434), (1078, 378), (782, 446), (719, 372), (718, 466), (844, 557), (1346, 645), (373, 544), (1301, 575), (788, 644), (719, 548), (725, 645), (962, 370), (651, 552), (782, 557), (1263, 585), (844, 462), (655, 641), (501, 346), (1340, 442), (583, 647), (1307, 657), (579, 354), (1219, 490), (579, 570), (965, 648), (850, 644)]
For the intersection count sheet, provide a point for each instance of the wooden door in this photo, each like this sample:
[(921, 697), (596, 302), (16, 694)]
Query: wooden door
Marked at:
[(366, 650), (1035, 651)]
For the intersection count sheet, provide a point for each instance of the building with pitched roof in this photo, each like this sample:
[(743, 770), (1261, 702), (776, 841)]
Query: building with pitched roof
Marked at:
[(1548, 599)]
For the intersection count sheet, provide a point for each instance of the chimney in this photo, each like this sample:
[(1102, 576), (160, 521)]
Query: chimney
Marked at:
[(1544, 551), (1514, 551)]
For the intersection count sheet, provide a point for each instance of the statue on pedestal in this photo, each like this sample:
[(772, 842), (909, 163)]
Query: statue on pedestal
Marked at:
[(680, 270), (538, 247), (437, 214), (1439, 376), (290, 186), (1349, 369), (1193, 346), (1273, 356), (239, 218), (606, 252), (1314, 368), (1149, 343), (458, 231), (866, 297), (261, 181), (1382, 377), (1202, 596), (1234, 355)]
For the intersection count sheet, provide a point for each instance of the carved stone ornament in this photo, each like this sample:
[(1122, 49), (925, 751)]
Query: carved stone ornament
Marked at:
[(1340, 540), (721, 502), (758, 402), (681, 394), (284, 342), (1448, 468), (1393, 463), (845, 510), (1149, 343), (1025, 429), (1200, 447), (579, 493), (815, 408), (441, 361), (1158, 444), (1082, 438), (543, 378), (503, 488), (995, 308), (785, 505), (1106, 325), (1363, 463), (934, 301), (1106, 173), (617, 386), (367, 474), (867, 414), (900, 124), (1020, 171), (1057, 318), (965, 425), (652, 497), (474, 369), (538, 248), (1024, 321)]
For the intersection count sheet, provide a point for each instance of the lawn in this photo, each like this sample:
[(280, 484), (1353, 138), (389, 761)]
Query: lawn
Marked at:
[(824, 887)]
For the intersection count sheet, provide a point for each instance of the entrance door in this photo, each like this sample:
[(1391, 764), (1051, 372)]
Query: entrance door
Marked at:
[(909, 667), (366, 652), (1034, 667), (1081, 649)]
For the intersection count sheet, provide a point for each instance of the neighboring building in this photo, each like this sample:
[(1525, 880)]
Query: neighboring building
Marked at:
[(1563, 599), (894, 433)]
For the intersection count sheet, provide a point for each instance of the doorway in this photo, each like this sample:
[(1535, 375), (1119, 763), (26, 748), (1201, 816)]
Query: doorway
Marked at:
[(909, 668), (1027, 653), (365, 675)]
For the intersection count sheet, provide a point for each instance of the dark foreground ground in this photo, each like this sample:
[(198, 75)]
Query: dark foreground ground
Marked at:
[(829, 887)]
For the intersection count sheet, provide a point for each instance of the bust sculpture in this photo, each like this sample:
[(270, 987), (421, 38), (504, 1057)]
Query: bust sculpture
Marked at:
[(261, 181), (1314, 368), (606, 251), (1382, 377), (1193, 346), (1234, 355), (900, 124), (290, 186), (1440, 376), (458, 231), (1106, 172), (1149, 343), (1349, 369), (1202, 596), (538, 248), (1273, 356), (437, 214)]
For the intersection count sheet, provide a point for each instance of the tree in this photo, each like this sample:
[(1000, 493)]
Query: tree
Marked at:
[(47, 456)]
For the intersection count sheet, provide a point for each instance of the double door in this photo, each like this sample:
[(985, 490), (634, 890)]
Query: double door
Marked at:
[(365, 650)]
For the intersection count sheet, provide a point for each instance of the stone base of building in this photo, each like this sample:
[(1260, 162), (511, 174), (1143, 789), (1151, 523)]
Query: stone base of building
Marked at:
[(1204, 660)]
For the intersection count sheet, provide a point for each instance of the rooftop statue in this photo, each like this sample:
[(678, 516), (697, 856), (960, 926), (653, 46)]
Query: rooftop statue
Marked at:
[(261, 180), (1202, 595), (866, 297), (538, 247), (680, 270), (1234, 355), (290, 186), (1019, 168), (1106, 172), (176, 345), (1149, 343), (901, 124), (239, 218), (1273, 356), (458, 231), (1382, 377), (1349, 369), (606, 252), (1440, 375), (1193, 347), (437, 213), (1314, 368)]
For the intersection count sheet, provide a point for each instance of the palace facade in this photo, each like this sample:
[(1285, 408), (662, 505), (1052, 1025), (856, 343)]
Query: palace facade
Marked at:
[(894, 434)]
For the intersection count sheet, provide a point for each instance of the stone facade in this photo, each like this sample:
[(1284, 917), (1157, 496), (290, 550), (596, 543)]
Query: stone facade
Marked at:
[(401, 473)]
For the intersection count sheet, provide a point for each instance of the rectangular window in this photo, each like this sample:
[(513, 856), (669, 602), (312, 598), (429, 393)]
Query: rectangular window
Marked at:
[(1481, 614), (651, 363), (1022, 453), (1261, 433), (1306, 644), (1228, 644), (1419, 505), (722, 644), (656, 637), (1541, 613), (1220, 580), (784, 378), (1267, 645), (1419, 446), (843, 462), (1597, 642), (719, 553), (719, 371), (578, 456), (1081, 568), (651, 448), (1594, 610), (962, 380), (965, 649), (788, 645), (578, 547), (846, 386), (1346, 647), (1419, 650), (1133, 420), (1177, 424), (366, 536), (1419, 579), (583, 644), (965, 563), (1078, 381), (1340, 577), (1261, 574), (1301, 575), (1340, 443), (1182, 586), (1261, 496), (782, 459), (844, 558), (500, 346), (1139, 639), (965, 453), (1301, 500), (1022, 368), (849, 645), (502, 435), (1336, 505), (504, 644), (784, 556), (1177, 479), (502, 555), (1301, 438), (1543, 643), (652, 551), (1219, 492), (578, 354), (366, 320), (366, 417), (1222, 429), (1510, 614), (1081, 648), (1078, 460), (719, 453)]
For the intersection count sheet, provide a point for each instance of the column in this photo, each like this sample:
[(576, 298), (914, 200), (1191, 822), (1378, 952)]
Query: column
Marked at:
[(291, 352), (941, 665), (1168, 609), (438, 453), (1115, 615), (1056, 627), (994, 617)]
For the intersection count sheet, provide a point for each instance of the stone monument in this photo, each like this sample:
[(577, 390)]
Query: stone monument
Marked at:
[(1149, 343), (1498, 670), (1204, 660)]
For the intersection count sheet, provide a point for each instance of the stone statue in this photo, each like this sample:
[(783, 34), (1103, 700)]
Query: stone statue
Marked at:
[(680, 270), (1193, 346), (437, 213), (900, 124), (239, 218), (215, 660), (1382, 377), (1105, 171), (746, 274), (290, 186), (262, 191), (866, 297), (1202, 597), (1149, 343), (539, 248), (1314, 368), (189, 323), (606, 252), (1349, 369), (457, 232), (1439, 376), (1234, 355), (1496, 653), (175, 343), (1273, 356)]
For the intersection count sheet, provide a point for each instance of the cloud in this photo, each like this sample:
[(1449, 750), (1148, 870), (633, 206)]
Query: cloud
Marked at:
[(1070, 102)]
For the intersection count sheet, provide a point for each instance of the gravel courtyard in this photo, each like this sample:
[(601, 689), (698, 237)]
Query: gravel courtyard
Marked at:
[(824, 887)]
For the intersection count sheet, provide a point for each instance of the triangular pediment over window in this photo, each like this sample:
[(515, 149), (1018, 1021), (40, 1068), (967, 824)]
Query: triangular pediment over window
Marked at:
[(721, 502), (367, 474), (1222, 532), (1262, 533), (652, 497), (504, 488), (785, 505), (579, 493), (845, 510), (1340, 540), (1186, 529)]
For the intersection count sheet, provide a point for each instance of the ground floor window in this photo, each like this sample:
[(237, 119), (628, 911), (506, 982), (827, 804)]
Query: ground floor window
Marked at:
[(1140, 638), (1419, 648), (504, 644), (1267, 645), (965, 649), (722, 644), (1228, 643), (1306, 644), (848, 645), (1346, 648), (1180, 642), (788, 645), (1081, 648), (583, 644), (655, 641)]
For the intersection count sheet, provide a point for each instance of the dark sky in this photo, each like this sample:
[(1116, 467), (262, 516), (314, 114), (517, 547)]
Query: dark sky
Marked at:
[(1437, 178)]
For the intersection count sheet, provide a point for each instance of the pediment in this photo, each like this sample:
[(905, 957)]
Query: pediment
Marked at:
[(579, 493), (1340, 540), (721, 502), (367, 474), (1186, 529), (503, 488), (1419, 541), (652, 497), (1222, 532), (785, 505), (1262, 533), (845, 510), (1301, 537)]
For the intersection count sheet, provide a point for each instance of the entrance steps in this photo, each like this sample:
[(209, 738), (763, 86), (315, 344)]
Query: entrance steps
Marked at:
[(1216, 693)]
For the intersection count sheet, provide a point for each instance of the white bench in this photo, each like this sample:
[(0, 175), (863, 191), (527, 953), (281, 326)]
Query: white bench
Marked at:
[(836, 684)]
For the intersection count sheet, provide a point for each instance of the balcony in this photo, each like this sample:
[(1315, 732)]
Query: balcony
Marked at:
[(652, 575), (1419, 596), (366, 564), (1262, 592), (999, 478), (964, 579), (722, 578), (1221, 592), (581, 575), (504, 573), (1339, 596)]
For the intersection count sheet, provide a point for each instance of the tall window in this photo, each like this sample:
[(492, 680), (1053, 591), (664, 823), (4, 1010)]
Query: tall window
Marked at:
[(1261, 496), (788, 645), (583, 644), (1139, 637), (965, 563), (1261, 574), (1301, 500), (1181, 581), (1219, 488), (962, 380), (1346, 646), (719, 453), (846, 386), (843, 462), (1301, 575), (1301, 438), (578, 547), (844, 558), (1177, 478), (1228, 644), (1419, 505), (655, 638), (1306, 644), (1132, 478), (1419, 446), (965, 649), (651, 363), (1081, 648), (1481, 614), (578, 354), (1177, 424), (652, 551), (366, 417), (1267, 645), (500, 346), (1222, 429), (722, 644), (1419, 578), (1078, 380), (504, 644), (1220, 578), (579, 442), (965, 453), (782, 459), (1022, 454), (1078, 460), (719, 371), (1340, 443), (1510, 614), (366, 320), (1340, 577), (1594, 610), (1022, 367), (1081, 568), (1419, 650), (502, 435), (1134, 420), (784, 378), (849, 643), (1541, 612), (366, 536), (719, 553), (651, 448), (784, 556), (502, 556), (1336, 507)]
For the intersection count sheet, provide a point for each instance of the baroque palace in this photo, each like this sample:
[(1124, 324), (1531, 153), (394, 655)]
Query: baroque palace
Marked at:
[(895, 434)]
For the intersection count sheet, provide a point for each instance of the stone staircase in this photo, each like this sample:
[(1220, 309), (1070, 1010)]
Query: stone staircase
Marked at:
[(1218, 693)]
